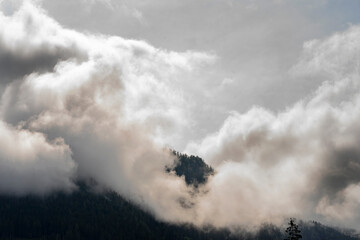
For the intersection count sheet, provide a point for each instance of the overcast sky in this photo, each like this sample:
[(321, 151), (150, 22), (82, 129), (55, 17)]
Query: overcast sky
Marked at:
[(256, 42), (262, 90)]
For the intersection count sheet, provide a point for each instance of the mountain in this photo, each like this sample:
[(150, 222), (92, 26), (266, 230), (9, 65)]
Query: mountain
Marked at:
[(85, 214), (193, 168)]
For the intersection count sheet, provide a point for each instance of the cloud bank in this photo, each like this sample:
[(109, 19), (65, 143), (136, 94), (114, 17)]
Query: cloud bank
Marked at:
[(303, 161), (83, 106)]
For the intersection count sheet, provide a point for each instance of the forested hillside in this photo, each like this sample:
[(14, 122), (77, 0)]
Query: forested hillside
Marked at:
[(193, 168), (85, 214)]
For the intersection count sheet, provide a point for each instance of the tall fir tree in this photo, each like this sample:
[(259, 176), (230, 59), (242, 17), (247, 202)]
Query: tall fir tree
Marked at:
[(293, 231)]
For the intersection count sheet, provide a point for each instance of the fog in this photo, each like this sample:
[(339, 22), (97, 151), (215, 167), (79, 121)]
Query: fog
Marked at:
[(79, 105)]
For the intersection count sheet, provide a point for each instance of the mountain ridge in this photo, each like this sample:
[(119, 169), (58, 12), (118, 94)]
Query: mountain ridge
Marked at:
[(87, 214)]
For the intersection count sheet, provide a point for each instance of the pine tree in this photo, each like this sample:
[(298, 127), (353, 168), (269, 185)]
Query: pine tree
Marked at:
[(293, 231)]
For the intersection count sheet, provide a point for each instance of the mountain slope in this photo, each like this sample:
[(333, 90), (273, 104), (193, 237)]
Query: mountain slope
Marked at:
[(85, 214), (193, 168)]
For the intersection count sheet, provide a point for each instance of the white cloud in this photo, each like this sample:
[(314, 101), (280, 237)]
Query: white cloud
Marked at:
[(93, 106), (113, 102), (299, 162), (331, 59), (31, 164)]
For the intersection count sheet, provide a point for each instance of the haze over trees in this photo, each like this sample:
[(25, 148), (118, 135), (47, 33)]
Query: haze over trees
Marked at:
[(87, 106), (88, 214)]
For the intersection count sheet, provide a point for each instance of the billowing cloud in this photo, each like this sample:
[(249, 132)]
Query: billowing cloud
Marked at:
[(108, 103), (304, 161), (25, 47), (31, 164), (83, 106)]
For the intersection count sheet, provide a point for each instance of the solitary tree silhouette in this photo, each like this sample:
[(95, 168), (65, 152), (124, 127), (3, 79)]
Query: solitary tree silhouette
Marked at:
[(293, 230)]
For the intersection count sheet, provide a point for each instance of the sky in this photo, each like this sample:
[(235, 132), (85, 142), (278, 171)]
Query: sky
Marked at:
[(267, 92), (255, 42)]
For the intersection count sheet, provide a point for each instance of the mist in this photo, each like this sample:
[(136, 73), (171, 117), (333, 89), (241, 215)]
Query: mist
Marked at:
[(80, 105)]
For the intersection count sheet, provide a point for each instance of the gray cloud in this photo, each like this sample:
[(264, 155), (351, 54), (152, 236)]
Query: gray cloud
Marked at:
[(24, 50), (15, 64)]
